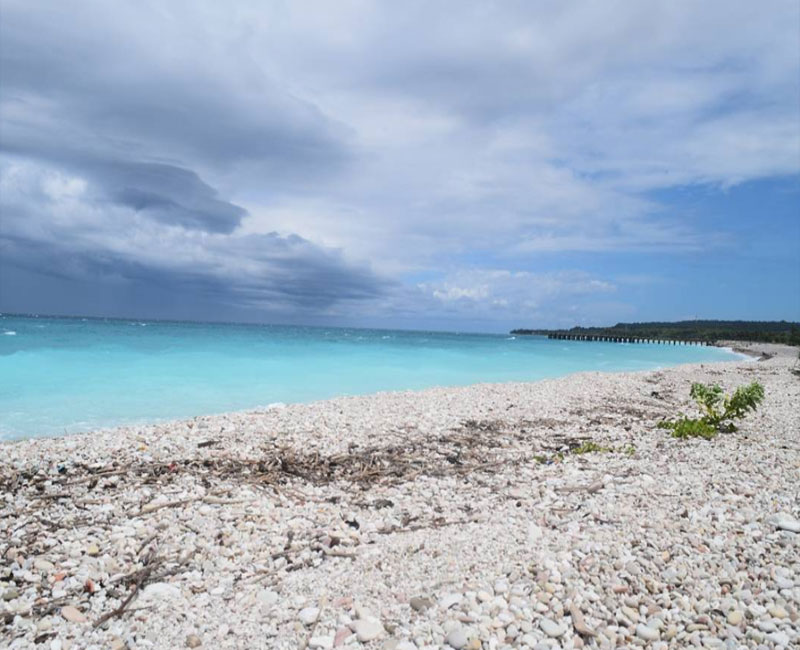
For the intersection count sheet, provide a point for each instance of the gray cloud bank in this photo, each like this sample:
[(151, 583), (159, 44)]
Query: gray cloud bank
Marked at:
[(309, 160)]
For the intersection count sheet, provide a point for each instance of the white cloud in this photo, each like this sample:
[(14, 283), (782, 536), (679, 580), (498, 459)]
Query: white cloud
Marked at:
[(508, 294), (522, 127), (409, 137)]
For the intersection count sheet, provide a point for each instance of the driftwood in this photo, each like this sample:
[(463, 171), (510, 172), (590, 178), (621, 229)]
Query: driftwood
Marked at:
[(142, 575), (474, 447), (591, 489)]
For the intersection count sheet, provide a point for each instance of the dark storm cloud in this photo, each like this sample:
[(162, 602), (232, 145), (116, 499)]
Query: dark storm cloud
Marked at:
[(171, 195), (89, 78), (270, 273), (110, 141), (141, 126)]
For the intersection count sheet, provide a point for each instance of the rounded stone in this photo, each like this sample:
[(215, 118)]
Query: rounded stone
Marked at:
[(457, 638), (267, 597), (647, 633), (420, 604), (735, 617), (308, 615), (367, 629), (551, 628)]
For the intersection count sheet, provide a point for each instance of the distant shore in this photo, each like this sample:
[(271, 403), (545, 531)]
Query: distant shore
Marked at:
[(545, 514), (691, 332)]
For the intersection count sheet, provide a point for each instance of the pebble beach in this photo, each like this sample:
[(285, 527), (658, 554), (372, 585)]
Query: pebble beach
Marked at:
[(553, 514)]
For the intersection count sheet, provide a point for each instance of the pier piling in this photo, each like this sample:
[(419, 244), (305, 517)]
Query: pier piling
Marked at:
[(563, 336)]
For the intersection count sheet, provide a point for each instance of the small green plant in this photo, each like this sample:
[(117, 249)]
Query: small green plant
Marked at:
[(685, 427), (719, 410), (589, 447)]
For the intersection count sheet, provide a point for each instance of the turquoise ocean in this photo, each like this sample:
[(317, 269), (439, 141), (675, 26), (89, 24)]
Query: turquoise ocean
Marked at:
[(64, 375)]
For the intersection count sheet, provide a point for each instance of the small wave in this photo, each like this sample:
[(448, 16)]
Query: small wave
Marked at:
[(10, 333), (511, 338), (386, 337)]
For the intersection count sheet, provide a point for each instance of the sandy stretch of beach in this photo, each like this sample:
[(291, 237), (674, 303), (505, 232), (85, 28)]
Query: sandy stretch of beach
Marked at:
[(446, 518)]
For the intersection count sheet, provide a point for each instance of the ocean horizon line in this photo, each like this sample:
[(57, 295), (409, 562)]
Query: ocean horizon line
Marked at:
[(78, 374)]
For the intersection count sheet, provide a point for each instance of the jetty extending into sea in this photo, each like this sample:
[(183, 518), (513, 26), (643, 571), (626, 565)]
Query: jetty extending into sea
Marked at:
[(690, 332), (622, 339)]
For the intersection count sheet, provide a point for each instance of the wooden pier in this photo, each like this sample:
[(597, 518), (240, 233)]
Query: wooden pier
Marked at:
[(622, 339)]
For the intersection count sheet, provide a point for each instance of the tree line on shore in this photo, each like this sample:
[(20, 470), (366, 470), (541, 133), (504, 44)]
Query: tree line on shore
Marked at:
[(786, 332)]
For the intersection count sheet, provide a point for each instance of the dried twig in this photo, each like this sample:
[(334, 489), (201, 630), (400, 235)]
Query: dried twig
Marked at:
[(591, 489), (152, 507), (143, 575)]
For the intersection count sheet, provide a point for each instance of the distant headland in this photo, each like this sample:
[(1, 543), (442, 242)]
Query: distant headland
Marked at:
[(699, 331)]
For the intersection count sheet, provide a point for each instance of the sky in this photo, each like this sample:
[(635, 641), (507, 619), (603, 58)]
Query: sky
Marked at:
[(470, 166)]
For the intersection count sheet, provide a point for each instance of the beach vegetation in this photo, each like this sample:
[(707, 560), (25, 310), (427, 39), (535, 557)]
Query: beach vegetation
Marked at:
[(719, 411), (590, 447), (684, 427), (586, 447)]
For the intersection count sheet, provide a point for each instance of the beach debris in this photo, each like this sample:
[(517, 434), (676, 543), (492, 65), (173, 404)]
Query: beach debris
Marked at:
[(138, 579), (590, 489)]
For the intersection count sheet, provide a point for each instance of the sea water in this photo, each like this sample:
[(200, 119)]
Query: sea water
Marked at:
[(63, 375)]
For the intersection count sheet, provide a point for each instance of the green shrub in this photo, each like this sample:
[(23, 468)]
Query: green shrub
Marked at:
[(691, 428), (719, 410)]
